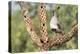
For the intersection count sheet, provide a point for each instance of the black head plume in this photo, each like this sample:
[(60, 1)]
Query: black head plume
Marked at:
[(58, 7), (53, 12)]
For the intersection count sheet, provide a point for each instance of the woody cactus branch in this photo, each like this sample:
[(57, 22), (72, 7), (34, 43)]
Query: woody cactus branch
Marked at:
[(44, 42), (43, 26), (64, 38), (28, 23)]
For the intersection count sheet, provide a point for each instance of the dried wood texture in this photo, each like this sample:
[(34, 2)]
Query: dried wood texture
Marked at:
[(43, 41)]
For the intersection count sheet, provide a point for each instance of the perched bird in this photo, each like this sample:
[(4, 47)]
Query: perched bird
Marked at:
[(54, 23)]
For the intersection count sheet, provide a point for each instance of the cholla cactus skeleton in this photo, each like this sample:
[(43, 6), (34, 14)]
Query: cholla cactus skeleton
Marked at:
[(44, 42)]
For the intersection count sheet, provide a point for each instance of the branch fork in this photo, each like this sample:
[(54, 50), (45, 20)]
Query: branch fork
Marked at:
[(44, 42)]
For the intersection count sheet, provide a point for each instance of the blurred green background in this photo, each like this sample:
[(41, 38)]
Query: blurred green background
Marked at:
[(21, 41)]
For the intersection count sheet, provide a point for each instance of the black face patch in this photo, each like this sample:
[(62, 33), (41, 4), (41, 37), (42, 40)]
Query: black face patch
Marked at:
[(57, 31), (54, 30)]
